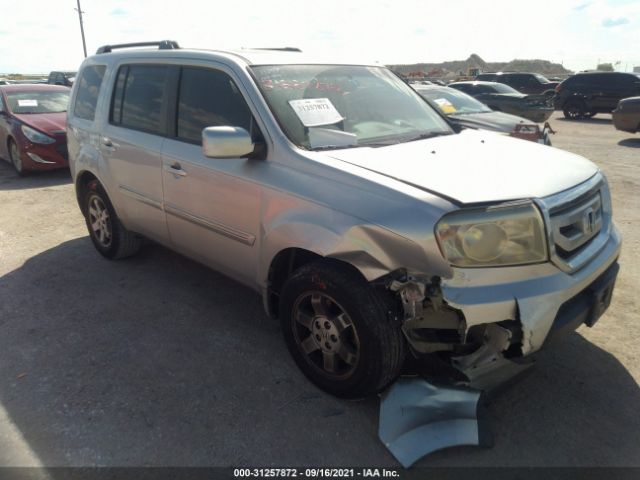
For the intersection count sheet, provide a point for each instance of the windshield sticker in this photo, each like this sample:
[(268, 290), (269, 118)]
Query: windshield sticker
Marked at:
[(27, 103), (314, 112), (445, 105)]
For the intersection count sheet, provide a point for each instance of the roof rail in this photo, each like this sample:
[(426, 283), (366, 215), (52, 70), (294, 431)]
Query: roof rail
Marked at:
[(162, 45), (280, 49)]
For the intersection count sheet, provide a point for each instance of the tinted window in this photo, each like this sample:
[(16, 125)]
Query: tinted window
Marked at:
[(209, 98), (625, 81), (138, 98), (516, 80), (589, 80), (88, 91), (463, 87)]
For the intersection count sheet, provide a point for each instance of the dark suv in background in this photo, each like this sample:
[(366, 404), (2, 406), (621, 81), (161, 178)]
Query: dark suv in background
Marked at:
[(585, 94), (523, 82), (61, 78)]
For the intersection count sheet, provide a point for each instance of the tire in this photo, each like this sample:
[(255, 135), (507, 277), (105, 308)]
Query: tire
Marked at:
[(107, 233), (328, 310), (14, 157), (574, 109)]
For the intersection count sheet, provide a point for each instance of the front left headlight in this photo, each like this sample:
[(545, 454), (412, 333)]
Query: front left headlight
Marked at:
[(35, 136), (493, 236)]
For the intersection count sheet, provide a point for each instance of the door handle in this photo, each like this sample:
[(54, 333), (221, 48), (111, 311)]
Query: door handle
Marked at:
[(175, 169)]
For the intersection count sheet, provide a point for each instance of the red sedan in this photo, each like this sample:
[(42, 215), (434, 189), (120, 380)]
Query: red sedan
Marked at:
[(33, 123)]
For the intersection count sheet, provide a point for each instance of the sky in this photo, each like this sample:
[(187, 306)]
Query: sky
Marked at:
[(37, 36)]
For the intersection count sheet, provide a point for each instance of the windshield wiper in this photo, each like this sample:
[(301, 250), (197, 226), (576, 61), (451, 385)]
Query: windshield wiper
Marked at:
[(334, 147), (426, 135)]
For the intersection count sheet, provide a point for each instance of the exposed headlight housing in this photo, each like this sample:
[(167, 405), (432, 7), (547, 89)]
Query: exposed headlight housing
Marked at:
[(493, 236), (35, 136)]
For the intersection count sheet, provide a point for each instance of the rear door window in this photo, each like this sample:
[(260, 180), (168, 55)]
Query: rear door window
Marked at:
[(208, 98), (139, 98), (88, 91)]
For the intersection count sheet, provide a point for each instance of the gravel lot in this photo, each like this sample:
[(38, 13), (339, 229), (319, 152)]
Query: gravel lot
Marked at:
[(157, 360)]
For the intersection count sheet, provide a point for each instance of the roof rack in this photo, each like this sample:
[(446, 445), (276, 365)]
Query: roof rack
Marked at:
[(162, 45)]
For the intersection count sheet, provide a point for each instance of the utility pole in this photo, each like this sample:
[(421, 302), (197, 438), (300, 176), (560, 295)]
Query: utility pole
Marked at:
[(84, 45)]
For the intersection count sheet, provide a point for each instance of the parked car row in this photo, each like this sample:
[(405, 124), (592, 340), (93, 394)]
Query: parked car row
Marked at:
[(466, 111), (582, 95), (534, 97)]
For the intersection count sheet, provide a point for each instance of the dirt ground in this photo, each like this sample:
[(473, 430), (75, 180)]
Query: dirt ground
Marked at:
[(158, 361)]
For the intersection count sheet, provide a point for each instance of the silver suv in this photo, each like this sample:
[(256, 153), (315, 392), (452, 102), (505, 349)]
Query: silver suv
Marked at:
[(372, 227)]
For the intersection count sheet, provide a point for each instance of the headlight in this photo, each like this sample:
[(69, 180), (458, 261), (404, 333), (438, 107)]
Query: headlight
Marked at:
[(494, 236), (35, 136)]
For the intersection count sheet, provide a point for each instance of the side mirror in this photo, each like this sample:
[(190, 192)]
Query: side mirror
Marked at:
[(226, 142)]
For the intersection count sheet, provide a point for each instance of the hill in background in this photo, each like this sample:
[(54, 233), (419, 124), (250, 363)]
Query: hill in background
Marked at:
[(461, 67)]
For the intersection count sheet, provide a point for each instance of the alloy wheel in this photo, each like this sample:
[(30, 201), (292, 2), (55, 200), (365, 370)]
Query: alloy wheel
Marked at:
[(15, 157), (326, 335), (574, 111), (100, 221)]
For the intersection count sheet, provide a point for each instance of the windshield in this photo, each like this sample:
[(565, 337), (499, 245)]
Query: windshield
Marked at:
[(502, 88), (325, 106), (452, 102), (541, 78), (38, 102)]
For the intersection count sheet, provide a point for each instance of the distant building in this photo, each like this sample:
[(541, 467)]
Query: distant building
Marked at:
[(636, 69)]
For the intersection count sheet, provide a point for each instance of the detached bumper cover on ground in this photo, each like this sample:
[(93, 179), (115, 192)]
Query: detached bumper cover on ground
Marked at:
[(417, 418)]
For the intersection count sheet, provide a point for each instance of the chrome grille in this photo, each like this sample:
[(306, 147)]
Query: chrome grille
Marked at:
[(578, 222), (574, 226)]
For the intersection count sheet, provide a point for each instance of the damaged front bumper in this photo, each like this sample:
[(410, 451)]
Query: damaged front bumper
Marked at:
[(484, 321)]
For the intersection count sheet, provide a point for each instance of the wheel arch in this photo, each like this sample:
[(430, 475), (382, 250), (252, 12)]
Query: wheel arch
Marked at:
[(370, 250), (83, 181), (288, 261)]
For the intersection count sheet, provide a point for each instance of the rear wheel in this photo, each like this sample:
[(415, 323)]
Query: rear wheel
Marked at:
[(107, 233), (14, 156), (574, 109), (337, 330)]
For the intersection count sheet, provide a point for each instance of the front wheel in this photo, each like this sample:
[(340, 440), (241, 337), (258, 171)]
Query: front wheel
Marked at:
[(338, 330), (107, 233), (574, 110), (14, 156)]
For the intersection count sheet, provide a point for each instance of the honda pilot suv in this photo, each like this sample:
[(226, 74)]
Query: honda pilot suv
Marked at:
[(372, 228)]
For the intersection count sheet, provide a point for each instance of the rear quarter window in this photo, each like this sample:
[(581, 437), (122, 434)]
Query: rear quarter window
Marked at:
[(88, 91)]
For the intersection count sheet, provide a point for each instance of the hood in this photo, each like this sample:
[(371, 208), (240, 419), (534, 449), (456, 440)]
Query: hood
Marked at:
[(494, 121), (51, 123), (475, 166)]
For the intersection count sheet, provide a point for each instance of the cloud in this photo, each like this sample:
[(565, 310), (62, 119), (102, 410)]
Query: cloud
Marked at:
[(118, 12), (582, 6), (614, 22)]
